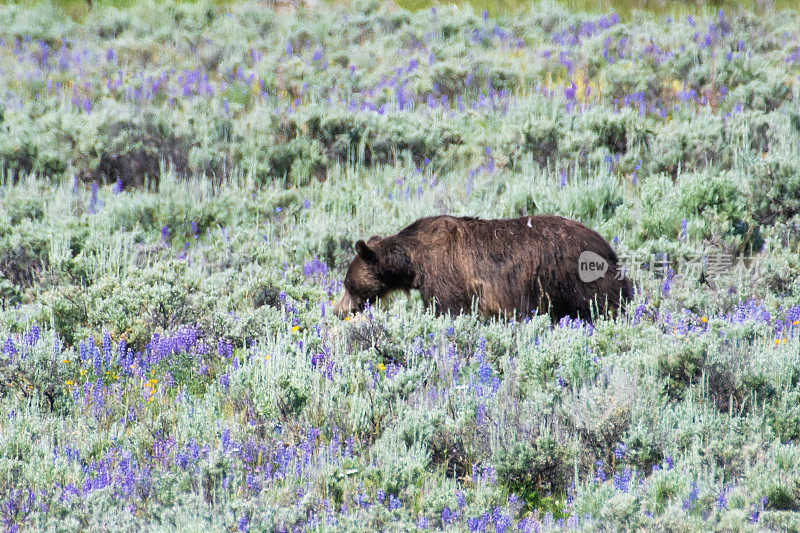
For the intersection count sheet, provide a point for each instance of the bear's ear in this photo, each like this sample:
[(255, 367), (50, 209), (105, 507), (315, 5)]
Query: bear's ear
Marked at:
[(366, 253)]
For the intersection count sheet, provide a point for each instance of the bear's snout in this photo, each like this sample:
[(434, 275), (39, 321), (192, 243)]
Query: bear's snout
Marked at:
[(345, 306)]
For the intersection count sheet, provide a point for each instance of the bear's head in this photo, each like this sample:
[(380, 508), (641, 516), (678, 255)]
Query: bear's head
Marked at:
[(377, 270)]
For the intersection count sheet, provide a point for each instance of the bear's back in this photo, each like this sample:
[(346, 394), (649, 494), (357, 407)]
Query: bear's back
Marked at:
[(511, 265)]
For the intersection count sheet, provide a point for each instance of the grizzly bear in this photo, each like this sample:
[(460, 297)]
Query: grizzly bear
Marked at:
[(533, 264)]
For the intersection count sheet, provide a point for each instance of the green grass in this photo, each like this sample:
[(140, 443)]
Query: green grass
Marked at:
[(181, 191)]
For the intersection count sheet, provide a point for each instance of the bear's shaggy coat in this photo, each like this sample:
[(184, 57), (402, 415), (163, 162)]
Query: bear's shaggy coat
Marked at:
[(511, 267)]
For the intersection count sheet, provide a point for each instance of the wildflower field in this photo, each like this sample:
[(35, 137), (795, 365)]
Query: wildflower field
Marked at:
[(182, 185)]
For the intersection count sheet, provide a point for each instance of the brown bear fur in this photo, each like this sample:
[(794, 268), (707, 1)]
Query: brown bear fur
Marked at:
[(511, 267)]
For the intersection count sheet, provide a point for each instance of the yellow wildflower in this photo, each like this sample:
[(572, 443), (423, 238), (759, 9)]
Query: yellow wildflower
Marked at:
[(382, 367), (295, 328), (69, 382), (704, 319)]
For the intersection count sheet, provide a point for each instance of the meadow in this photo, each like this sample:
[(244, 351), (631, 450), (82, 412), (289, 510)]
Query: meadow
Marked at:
[(182, 185)]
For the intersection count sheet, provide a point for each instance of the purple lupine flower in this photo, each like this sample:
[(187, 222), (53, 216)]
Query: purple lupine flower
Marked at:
[(83, 353), (569, 92), (315, 268), (485, 373), (447, 515), (599, 474), (667, 280), (502, 523), (461, 499), (348, 446), (754, 513), (481, 350), (33, 336), (87, 390), (107, 350), (619, 451), (689, 501), (621, 480), (721, 501), (638, 313), (97, 360), (225, 348)]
